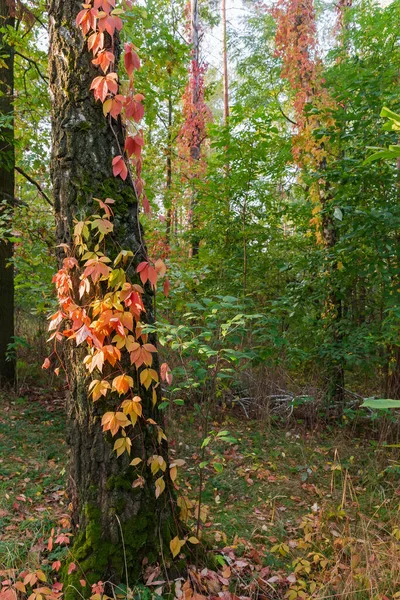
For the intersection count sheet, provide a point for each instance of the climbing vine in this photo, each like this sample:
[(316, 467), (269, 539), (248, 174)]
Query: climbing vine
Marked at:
[(296, 45), (99, 307)]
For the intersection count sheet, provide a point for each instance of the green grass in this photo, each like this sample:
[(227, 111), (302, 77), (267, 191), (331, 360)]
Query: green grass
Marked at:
[(32, 476), (274, 484)]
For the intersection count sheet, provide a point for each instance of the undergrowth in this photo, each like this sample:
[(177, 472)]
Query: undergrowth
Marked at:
[(291, 514)]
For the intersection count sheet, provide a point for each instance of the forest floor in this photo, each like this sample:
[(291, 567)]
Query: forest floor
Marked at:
[(291, 514)]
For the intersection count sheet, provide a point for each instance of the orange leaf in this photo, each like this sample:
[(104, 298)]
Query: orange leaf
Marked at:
[(122, 384)]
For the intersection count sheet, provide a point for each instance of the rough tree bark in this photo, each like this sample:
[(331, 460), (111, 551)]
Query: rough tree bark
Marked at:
[(7, 183), (100, 485)]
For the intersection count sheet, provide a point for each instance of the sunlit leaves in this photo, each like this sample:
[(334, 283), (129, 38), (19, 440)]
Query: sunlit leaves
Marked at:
[(103, 85), (113, 421), (99, 388), (96, 268), (147, 376), (122, 384), (96, 42)]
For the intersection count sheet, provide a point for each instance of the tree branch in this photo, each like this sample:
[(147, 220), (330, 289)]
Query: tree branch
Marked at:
[(35, 183), (286, 117), (34, 63)]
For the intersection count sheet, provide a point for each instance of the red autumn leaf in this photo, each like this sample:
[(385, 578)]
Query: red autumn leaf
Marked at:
[(106, 5), (131, 59), (113, 106), (104, 59), (109, 23), (95, 268), (56, 566), (86, 20), (153, 276), (167, 286), (119, 167), (139, 184), (96, 42), (146, 205), (134, 108), (103, 85), (71, 568), (133, 145)]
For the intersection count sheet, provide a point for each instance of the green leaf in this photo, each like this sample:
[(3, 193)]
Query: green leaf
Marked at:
[(386, 112), (380, 403)]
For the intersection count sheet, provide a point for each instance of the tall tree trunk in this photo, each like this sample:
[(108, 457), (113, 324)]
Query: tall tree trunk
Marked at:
[(225, 64), (334, 388), (100, 485), (195, 148), (168, 183), (7, 183)]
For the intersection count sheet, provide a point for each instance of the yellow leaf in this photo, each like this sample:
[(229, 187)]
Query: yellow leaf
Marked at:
[(135, 461), (160, 486), (193, 540), (161, 435), (122, 444), (99, 388), (155, 467), (132, 406), (176, 545)]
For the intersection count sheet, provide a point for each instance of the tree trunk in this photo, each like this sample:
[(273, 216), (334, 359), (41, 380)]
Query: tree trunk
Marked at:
[(100, 485), (195, 149), (7, 183), (168, 184), (335, 373), (225, 64)]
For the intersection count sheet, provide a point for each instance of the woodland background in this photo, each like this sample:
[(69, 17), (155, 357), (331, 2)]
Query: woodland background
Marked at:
[(282, 313)]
